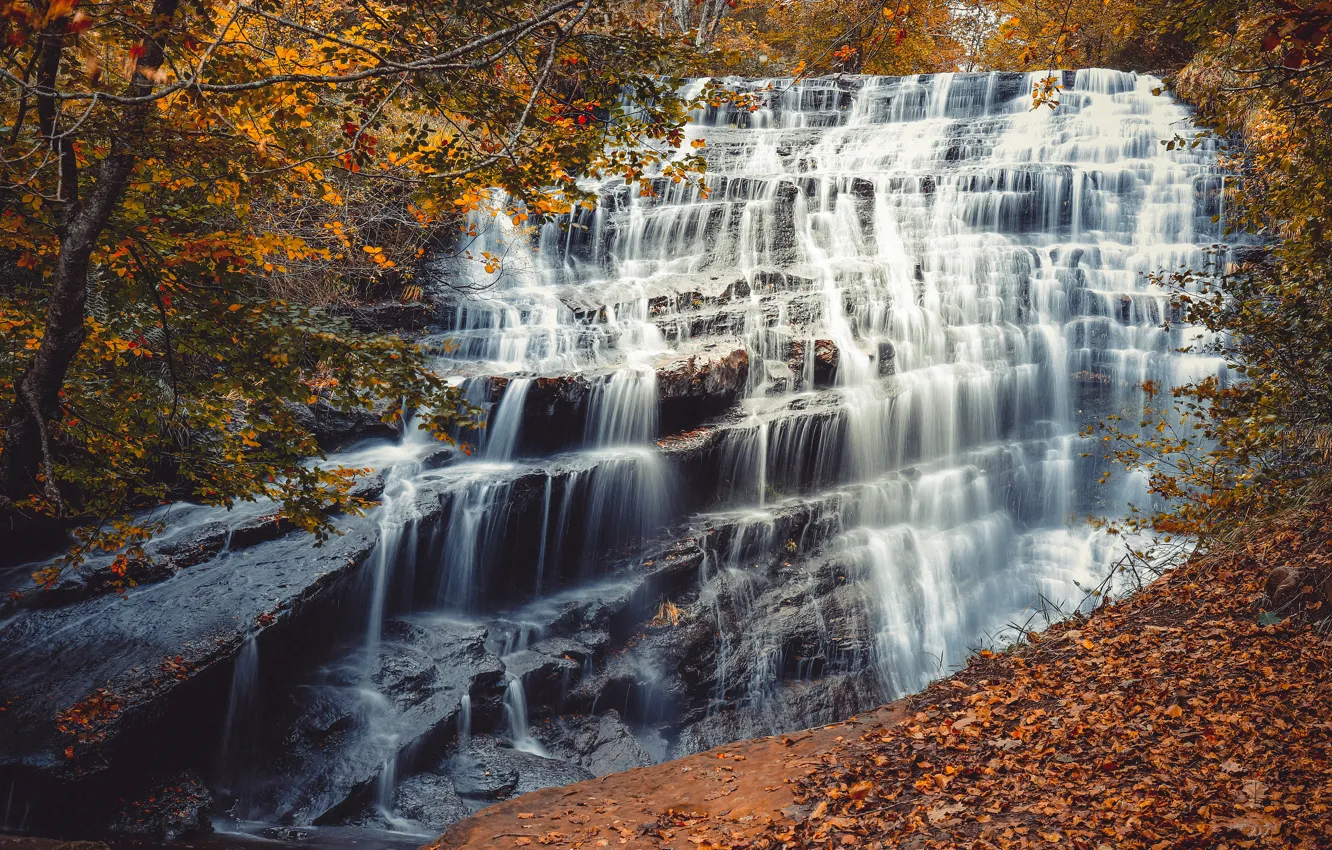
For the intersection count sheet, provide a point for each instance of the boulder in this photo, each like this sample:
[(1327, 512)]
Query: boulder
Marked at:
[(484, 771), (601, 744), (887, 358), (488, 769), (431, 801), (369, 487)]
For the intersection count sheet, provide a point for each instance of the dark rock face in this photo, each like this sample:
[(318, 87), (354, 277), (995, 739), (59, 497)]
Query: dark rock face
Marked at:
[(601, 744), (826, 357), (336, 429), (394, 316), (701, 385), (176, 809), (488, 770), (819, 366), (689, 389), (108, 695), (431, 801), (347, 725)]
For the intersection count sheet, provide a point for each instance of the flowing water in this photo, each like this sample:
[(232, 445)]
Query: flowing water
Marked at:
[(930, 289), (934, 288), (975, 270)]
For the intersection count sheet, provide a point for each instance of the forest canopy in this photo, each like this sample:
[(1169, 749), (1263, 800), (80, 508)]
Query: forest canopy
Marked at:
[(190, 193)]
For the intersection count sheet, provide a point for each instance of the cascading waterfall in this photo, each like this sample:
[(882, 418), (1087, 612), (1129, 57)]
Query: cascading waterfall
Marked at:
[(766, 456), (971, 274)]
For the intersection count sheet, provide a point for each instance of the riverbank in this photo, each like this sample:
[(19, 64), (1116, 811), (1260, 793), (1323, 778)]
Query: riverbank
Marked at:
[(1193, 714)]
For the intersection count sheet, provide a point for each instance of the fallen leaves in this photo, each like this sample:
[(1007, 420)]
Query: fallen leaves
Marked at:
[(1173, 719)]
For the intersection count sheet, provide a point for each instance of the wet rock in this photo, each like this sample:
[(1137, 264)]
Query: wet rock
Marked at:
[(336, 429), (779, 375), (176, 809), (193, 546), (536, 772), (286, 833), (490, 770), (703, 384), (430, 800), (826, 357), (339, 733), (144, 670), (601, 744), (99, 576), (102, 574), (715, 373), (484, 771), (546, 678), (442, 456), (887, 358), (792, 705), (258, 530), (369, 487), (554, 412), (580, 647)]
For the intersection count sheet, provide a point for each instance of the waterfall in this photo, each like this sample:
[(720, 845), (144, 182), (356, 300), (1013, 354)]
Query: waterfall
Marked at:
[(464, 721), (936, 287), (507, 422), (515, 714), (765, 456), (236, 753)]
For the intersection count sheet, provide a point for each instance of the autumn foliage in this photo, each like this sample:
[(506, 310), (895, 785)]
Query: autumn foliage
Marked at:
[(188, 191)]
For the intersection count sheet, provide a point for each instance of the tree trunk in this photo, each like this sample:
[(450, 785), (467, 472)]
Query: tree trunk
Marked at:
[(27, 444)]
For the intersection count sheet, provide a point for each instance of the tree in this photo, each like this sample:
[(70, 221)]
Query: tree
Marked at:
[(819, 37), (165, 164)]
